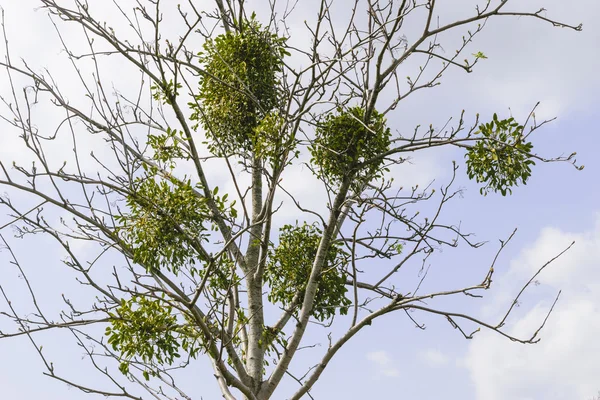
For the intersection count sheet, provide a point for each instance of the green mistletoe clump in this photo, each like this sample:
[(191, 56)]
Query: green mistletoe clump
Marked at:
[(240, 88), (346, 146), (290, 265), (500, 158), (147, 330), (164, 221)]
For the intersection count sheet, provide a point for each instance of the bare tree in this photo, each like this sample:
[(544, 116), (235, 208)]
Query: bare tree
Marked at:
[(181, 269)]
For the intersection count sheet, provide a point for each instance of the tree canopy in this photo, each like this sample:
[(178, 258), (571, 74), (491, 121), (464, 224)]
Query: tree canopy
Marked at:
[(190, 253)]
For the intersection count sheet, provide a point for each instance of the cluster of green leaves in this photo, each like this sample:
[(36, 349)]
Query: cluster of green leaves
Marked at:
[(165, 92), (240, 88), (346, 147), (147, 329), (501, 158), (272, 339), (166, 146), (290, 265), (223, 277), (165, 218), (270, 138)]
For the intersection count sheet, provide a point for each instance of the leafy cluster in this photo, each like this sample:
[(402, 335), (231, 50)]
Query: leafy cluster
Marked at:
[(501, 158), (240, 86), (269, 137), (147, 329), (166, 146), (223, 276), (346, 146), (165, 219), (165, 92), (289, 268), (272, 338)]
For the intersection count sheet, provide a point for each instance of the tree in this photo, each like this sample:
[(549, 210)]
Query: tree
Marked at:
[(183, 266)]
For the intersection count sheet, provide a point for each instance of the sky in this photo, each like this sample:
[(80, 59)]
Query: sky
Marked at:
[(528, 61)]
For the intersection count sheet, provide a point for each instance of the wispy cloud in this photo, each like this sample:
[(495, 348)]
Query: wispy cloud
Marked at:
[(385, 364), (433, 358)]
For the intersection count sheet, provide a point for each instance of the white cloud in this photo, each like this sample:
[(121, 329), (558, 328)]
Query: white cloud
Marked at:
[(564, 364), (433, 358), (385, 364)]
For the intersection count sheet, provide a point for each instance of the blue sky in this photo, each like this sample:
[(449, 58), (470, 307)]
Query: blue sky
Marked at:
[(528, 61)]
